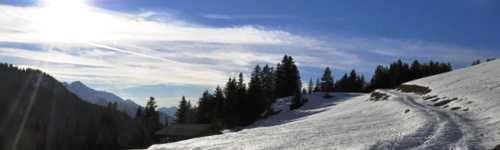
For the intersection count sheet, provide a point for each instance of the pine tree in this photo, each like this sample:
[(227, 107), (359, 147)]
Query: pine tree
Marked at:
[(317, 86), (220, 104), (268, 85), (351, 81), (287, 77), (257, 103), (360, 84), (295, 82), (151, 116), (310, 86), (205, 106), (327, 84), (241, 110), (380, 78), (416, 70), (182, 111), (342, 84)]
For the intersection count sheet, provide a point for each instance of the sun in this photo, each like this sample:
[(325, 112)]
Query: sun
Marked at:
[(68, 21)]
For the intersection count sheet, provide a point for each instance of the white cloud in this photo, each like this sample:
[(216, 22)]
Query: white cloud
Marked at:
[(84, 35), (247, 16), (114, 50), (89, 24)]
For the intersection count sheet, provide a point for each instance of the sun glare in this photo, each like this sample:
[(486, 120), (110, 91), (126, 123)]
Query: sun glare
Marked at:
[(68, 21)]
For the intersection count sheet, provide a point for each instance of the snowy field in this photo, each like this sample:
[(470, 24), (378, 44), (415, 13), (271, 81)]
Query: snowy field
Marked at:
[(461, 112)]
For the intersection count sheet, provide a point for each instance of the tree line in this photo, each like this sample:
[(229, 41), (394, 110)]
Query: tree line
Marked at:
[(400, 72), (239, 103), (390, 76)]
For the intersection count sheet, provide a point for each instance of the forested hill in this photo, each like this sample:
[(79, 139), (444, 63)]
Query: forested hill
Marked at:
[(37, 112)]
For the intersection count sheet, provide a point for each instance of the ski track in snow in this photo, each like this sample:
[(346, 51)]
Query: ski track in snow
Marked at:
[(441, 130)]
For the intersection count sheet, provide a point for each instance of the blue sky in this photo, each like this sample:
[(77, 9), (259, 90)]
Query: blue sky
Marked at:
[(118, 45)]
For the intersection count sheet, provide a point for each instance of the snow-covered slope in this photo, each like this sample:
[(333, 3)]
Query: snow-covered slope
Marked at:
[(461, 112), (477, 90), (101, 97), (347, 121)]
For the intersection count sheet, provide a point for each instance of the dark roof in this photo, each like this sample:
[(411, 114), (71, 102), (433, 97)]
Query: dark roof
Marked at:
[(186, 130)]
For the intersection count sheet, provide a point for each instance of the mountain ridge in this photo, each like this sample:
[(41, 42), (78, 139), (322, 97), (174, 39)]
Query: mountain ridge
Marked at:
[(102, 98)]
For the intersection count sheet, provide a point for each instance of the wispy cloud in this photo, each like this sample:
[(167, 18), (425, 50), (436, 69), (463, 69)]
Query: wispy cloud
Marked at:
[(247, 16), (115, 50)]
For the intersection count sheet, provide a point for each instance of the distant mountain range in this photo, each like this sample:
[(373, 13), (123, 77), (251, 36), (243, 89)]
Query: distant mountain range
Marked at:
[(103, 98)]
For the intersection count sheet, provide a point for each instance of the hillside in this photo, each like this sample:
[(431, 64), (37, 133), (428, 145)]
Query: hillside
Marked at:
[(477, 90), (38, 112), (103, 98), (460, 112)]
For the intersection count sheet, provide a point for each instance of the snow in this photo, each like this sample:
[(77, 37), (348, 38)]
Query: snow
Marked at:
[(347, 121), (403, 121), (477, 89)]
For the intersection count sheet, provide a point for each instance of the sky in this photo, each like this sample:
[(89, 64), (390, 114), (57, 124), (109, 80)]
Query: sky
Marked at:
[(170, 48)]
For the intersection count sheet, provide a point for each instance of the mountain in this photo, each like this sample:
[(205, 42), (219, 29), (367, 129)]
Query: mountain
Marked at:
[(168, 94), (38, 112), (454, 110), (167, 113), (168, 110), (101, 97)]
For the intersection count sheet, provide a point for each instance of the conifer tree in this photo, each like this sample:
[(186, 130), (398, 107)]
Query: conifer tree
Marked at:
[(416, 70), (151, 116), (268, 85), (317, 86), (327, 84), (287, 77), (205, 111), (310, 86), (342, 84), (182, 111), (256, 95), (220, 104)]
